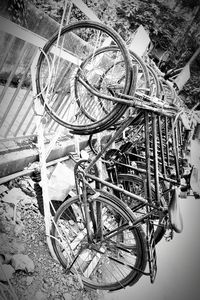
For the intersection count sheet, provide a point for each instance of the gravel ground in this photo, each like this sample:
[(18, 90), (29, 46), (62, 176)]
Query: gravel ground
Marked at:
[(41, 277)]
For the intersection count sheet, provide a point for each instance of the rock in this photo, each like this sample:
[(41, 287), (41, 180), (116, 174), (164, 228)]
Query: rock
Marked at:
[(40, 296), (5, 258), (10, 246), (67, 296), (45, 286), (26, 187), (22, 262), (9, 212), (26, 201), (6, 226), (18, 229), (6, 272), (14, 196), (3, 189), (29, 280), (70, 281), (19, 246), (1, 258)]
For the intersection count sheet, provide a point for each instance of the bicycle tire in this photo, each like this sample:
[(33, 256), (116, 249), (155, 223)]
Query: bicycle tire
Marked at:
[(168, 91), (135, 184), (92, 143), (60, 96), (116, 258), (142, 83), (154, 82)]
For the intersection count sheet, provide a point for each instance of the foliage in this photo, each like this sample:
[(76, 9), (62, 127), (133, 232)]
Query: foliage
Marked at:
[(170, 29), (17, 10), (190, 3)]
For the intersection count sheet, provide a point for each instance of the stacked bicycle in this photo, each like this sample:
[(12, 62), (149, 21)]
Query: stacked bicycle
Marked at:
[(89, 82)]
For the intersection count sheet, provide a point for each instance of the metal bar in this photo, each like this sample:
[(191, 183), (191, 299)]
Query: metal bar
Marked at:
[(147, 155), (16, 138), (60, 109), (180, 134), (24, 117), (31, 170), (17, 112), (179, 124), (177, 145), (175, 149), (35, 39), (155, 152), (122, 190), (166, 136), (53, 123), (13, 72), (30, 122), (16, 92), (161, 145), (63, 73)]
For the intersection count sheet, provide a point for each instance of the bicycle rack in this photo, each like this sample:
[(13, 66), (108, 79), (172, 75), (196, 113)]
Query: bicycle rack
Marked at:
[(157, 163)]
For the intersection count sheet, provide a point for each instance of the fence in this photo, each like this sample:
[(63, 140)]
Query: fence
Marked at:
[(20, 47)]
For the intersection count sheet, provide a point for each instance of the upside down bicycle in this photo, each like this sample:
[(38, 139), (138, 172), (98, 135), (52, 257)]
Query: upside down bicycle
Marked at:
[(108, 232)]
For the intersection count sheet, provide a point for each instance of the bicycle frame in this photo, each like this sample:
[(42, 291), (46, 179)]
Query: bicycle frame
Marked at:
[(152, 207), (139, 100)]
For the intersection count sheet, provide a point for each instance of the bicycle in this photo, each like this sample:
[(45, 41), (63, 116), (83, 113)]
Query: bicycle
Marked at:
[(107, 238), (94, 90), (95, 206), (61, 74)]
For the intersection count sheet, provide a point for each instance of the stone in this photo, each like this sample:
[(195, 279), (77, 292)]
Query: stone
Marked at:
[(10, 246), (40, 296), (6, 226), (18, 229), (29, 280), (26, 201), (70, 281), (3, 189), (14, 196), (6, 272), (9, 212), (22, 262), (67, 296), (18, 246), (5, 258)]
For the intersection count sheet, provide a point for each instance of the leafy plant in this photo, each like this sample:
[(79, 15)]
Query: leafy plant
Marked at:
[(174, 29)]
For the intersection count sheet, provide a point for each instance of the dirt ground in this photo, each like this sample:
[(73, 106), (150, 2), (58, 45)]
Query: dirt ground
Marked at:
[(28, 266)]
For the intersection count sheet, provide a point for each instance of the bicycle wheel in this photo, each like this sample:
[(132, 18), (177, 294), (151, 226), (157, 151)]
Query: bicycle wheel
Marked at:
[(168, 91), (154, 82), (111, 79), (135, 185), (114, 257), (143, 84), (60, 69)]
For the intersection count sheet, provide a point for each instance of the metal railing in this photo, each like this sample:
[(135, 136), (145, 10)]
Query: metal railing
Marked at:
[(20, 47)]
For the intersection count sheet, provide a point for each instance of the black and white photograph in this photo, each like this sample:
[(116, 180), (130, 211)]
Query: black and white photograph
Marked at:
[(99, 149)]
